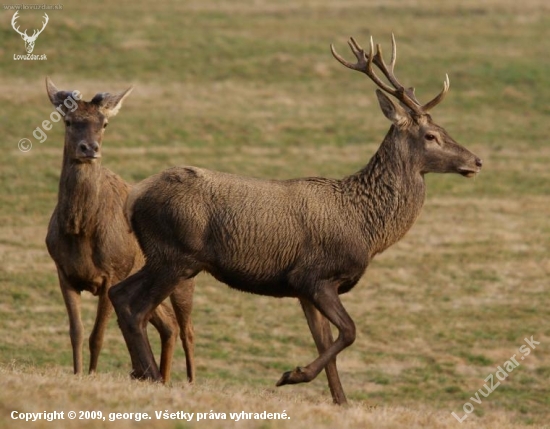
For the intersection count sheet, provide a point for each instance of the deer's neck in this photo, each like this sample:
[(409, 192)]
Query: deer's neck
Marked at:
[(79, 196), (389, 194)]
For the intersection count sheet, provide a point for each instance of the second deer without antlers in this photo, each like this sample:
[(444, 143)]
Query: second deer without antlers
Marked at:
[(88, 237), (309, 238)]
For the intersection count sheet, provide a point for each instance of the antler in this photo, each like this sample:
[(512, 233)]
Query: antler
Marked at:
[(364, 64), (37, 32), (15, 16)]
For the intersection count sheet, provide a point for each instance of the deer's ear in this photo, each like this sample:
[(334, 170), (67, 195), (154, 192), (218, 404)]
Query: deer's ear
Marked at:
[(111, 103), (56, 96), (394, 112)]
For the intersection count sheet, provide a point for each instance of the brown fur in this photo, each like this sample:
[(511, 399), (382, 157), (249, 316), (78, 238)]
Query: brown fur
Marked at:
[(88, 236), (309, 238)]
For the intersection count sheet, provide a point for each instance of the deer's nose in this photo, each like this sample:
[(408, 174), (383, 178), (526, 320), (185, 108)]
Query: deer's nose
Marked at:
[(479, 162), (89, 149)]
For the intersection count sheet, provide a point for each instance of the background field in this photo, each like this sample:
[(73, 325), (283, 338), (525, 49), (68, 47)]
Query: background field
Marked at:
[(250, 87)]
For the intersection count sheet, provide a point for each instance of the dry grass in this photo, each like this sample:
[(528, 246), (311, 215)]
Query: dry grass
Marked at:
[(51, 389)]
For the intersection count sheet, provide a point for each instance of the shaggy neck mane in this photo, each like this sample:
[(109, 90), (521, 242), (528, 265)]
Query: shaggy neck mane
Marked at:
[(388, 191), (78, 201)]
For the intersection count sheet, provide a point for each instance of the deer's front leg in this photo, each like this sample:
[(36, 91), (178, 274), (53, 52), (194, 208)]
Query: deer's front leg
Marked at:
[(71, 297), (134, 300)]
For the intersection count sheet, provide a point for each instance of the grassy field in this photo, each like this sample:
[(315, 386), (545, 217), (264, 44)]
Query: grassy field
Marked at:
[(250, 87)]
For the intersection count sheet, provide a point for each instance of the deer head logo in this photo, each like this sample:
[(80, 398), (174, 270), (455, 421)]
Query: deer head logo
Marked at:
[(29, 40)]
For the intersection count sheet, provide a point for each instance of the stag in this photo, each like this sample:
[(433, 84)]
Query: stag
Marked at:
[(309, 238), (88, 237), (29, 40)]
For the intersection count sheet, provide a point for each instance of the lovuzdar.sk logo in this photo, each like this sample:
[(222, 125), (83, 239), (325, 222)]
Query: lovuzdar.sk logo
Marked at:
[(29, 40)]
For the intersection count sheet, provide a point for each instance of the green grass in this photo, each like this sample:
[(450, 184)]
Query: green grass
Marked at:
[(251, 88)]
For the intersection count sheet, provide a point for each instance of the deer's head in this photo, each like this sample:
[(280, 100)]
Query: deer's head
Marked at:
[(428, 147), (29, 40), (85, 121)]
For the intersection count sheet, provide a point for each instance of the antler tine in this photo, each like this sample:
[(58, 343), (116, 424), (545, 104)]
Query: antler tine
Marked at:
[(404, 95), (381, 64), (393, 52), (340, 59), (439, 97), (357, 51), (377, 59)]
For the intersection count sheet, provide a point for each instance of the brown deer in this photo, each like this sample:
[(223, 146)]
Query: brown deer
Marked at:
[(309, 238), (89, 239)]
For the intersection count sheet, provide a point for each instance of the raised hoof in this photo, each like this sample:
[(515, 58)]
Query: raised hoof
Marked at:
[(297, 375)]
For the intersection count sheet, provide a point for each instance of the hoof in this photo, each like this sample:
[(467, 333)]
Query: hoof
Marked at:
[(135, 375), (138, 375), (298, 375)]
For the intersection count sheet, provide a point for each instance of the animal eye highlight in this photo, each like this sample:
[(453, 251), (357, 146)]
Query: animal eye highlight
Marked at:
[(430, 137)]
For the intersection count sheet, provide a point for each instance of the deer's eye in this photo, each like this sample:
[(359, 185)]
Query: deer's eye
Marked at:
[(105, 124), (68, 123), (430, 137)]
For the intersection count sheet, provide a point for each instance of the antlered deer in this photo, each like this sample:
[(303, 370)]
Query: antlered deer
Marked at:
[(89, 239), (309, 238)]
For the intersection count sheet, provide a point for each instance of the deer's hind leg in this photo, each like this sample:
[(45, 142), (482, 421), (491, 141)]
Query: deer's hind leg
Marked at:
[(165, 322), (182, 302)]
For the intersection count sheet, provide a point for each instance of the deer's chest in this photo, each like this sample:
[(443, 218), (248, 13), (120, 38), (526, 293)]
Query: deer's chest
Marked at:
[(89, 263)]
